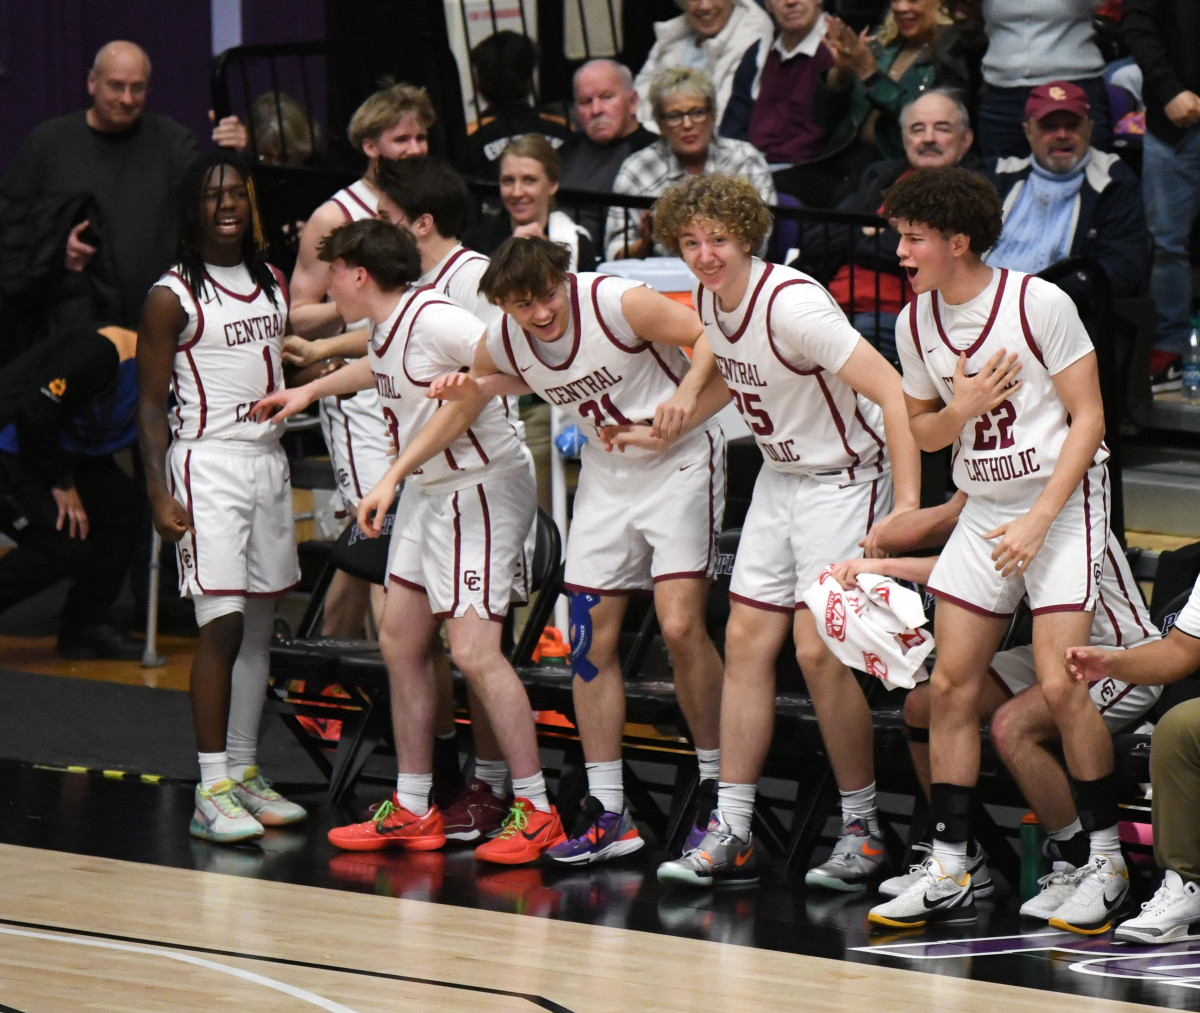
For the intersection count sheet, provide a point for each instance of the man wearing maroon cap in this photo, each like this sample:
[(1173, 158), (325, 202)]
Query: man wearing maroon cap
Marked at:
[(1067, 198)]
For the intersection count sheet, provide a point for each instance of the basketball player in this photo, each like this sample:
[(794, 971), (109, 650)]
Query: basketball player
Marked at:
[(392, 123), (606, 350), (453, 557), (1014, 707), (218, 483), (827, 412), (997, 364)]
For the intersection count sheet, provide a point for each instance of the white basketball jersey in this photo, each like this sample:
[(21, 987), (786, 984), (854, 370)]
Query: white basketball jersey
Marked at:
[(1121, 619), (425, 337), (599, 371), (1011, 451), (779, 351), (457, 276), (357, 202), (228, 354)]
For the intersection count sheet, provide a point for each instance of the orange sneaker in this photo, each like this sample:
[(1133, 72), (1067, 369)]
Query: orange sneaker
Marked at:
[(525, 835), (392, 826)]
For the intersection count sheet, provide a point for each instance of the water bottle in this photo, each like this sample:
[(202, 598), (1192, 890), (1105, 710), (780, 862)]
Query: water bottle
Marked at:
[(1191, 366), (1033, 858)]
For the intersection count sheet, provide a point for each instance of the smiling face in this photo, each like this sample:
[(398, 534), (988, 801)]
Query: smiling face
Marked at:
[(707, 17), (225, 214), (525, 189), (795, 18), (916, 20), (545, 317), (928, 257), (118, 86), (1059, 139), (718, 259)]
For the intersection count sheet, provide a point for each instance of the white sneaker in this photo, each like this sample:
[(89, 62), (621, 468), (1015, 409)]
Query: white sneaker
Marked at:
[(981, 878), (219, 816), (1169, 915), (264, 803), (936, 897), (1102, 890), (1056, 886)]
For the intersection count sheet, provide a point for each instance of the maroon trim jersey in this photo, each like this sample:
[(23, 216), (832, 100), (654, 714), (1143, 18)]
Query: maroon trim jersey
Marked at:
[(425, 337), (228, 354), (1009, 453), (779, 351)]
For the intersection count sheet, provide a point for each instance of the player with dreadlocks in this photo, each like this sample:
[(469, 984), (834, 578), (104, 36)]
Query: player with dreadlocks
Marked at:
[(212, 332)]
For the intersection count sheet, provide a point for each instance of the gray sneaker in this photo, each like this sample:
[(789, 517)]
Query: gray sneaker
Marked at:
[(981, 878), (857, 856), (1055, 887), (719, 858)]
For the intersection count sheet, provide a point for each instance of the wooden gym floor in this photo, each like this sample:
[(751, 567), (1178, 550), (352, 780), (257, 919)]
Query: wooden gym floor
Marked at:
[(107, 904)]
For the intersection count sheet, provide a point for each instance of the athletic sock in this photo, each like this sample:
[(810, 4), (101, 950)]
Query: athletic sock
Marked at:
[(532, 788), (1107, 842), (214, 767), (242, 756), (1072, 844), (413, 791), (736, 805), (860, 805), (606, 784), (709, 761), (951, 856), (493, 773)]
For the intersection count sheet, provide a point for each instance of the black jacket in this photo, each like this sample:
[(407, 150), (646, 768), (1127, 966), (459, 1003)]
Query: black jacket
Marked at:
[(1164, 37)]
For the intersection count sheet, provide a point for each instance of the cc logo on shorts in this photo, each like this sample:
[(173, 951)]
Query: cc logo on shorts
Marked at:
[(471, 579), (186, 557)]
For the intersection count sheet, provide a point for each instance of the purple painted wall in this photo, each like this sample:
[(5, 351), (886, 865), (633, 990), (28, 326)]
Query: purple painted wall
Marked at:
[(48, 49)]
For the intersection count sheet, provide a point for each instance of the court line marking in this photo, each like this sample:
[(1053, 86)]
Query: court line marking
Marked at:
[(949, 953), (540, 1001), (186, 958)]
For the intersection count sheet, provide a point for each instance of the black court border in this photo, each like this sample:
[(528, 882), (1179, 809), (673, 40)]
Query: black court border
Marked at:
[(539, 1001)]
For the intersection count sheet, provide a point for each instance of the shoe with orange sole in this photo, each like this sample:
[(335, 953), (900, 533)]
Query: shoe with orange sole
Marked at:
[(392, 826)]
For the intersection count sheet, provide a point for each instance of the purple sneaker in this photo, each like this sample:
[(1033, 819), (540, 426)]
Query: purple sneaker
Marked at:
[(597, 836), (706, 802)]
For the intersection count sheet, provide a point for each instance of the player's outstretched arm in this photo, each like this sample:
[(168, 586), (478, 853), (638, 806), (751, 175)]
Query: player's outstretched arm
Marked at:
[(298, 351), (1078, 385), (926, 528), (914, 568), (163, 318), (1153, 663), (459, 386), (350, 379), (311, 316)]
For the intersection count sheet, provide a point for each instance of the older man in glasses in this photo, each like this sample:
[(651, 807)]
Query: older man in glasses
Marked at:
[(684, 104)]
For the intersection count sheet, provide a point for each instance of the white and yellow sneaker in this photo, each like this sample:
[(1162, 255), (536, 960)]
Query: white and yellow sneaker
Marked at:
[(264, 803), (220, 817)]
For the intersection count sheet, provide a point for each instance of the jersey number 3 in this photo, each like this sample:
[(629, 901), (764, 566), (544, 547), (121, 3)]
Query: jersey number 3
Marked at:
[(993, 431)]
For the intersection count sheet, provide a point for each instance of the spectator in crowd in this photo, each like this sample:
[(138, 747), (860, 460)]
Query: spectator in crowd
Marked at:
[(606, 104), (771, 104), (502, 70), (1067, 198), (874, 78), (1164, 37), (1030, 44), (861, 269), (281, 130), (130, 160), (66, 406), (528, 183), (685, 104), (1173, 913), (710, 36)]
